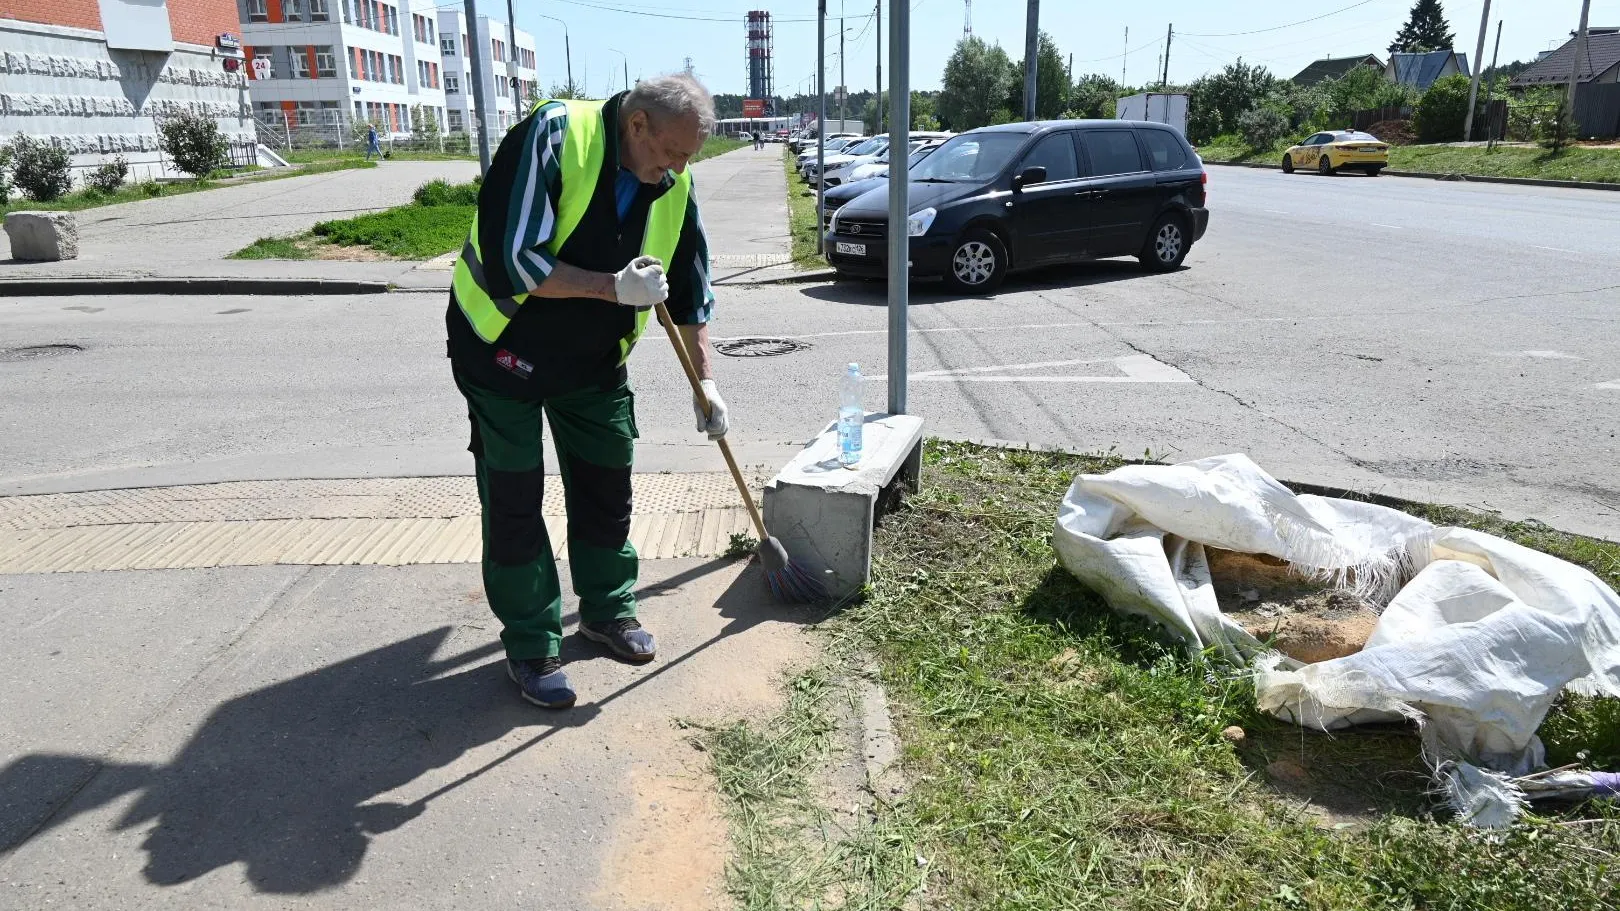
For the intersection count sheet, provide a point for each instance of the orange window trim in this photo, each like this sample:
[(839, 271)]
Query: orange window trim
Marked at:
[(273, 7), (309, 53)]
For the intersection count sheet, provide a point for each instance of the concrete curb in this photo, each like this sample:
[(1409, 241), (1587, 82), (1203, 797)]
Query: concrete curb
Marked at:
[(1468, 178), (811, 275), (217, 286)]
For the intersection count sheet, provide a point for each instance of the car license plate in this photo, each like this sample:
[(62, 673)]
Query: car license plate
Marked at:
[(851, 249)]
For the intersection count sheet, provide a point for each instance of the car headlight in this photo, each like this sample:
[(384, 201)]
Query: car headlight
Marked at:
[(919, 223)]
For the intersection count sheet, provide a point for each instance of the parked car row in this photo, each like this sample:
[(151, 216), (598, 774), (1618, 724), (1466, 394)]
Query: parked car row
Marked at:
[(999, 199)]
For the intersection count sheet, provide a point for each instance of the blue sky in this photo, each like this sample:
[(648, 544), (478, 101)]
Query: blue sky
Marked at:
[(1093, 32)]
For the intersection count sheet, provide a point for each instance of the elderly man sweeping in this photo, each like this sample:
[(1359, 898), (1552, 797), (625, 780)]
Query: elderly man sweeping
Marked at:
[(585, 221)]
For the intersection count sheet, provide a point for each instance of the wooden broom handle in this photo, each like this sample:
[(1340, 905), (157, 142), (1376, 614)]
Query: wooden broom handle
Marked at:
[(685, 358)]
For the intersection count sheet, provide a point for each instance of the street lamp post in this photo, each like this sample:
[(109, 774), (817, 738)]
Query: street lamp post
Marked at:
[(626, 66), (568, 48)]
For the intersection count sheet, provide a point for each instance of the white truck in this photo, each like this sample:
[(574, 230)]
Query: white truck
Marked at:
[(1157, 107)]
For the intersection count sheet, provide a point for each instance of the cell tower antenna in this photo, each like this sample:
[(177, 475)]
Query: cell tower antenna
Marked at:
[(967, 18)]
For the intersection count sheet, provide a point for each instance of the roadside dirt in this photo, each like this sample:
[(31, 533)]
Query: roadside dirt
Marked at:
[(1303, 619)]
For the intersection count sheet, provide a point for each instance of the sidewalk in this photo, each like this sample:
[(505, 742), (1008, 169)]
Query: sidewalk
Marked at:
[(743, 195)]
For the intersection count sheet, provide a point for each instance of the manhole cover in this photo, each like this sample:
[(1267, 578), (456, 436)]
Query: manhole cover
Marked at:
[(36, 352), (758, 347)]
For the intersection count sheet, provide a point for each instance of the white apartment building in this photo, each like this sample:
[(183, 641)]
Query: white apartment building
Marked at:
[(312, 63), (500, 66)]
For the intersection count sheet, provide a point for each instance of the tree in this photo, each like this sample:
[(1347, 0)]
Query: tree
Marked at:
[(574, 90), (193, 142), (1092, 97), (1426, 29), (1217, 101), (974, 87), (1051, 82)]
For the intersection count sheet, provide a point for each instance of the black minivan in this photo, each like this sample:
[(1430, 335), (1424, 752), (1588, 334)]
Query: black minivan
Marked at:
[(1021, 195)]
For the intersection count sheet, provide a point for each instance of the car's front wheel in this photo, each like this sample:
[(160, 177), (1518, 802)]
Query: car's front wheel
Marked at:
[(1288, 164), (1166, 244), (1325, 167), (979, 263)]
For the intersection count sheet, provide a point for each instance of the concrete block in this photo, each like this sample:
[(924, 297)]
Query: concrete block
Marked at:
[(824, 513), (43, 236)]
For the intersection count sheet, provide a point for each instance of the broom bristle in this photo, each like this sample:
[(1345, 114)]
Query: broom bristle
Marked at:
[(789, 581)]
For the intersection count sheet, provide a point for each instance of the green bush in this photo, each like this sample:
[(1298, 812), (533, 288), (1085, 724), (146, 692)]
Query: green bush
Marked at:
[(1442, 110), (151, 188), (1216, 101), (110, 176), (442, 193), (193, 142), (41, 170), (5, 174), (1263, 127)]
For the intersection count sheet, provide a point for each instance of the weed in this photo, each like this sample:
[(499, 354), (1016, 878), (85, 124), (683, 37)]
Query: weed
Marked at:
[(273, 248), (742, 544)]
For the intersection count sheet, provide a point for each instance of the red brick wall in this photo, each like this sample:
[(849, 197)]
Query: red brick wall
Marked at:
[(200, 21), (70, 13)]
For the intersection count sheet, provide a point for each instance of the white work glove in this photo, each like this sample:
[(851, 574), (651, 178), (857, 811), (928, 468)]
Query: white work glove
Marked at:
[(715, 424), (641, 284)]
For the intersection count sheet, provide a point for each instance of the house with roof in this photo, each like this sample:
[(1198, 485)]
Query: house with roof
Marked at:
[(1421, 69), (1334, 68), (1600, 65)]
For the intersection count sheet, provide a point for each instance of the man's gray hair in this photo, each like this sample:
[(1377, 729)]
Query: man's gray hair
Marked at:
[(666, 98)]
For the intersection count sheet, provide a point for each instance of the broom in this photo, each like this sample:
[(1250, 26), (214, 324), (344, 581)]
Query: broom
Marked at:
[(789, 581)]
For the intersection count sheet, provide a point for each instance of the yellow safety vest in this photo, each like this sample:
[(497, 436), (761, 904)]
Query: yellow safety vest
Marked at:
[(583, 149)]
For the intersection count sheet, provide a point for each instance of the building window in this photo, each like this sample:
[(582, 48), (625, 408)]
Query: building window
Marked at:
[(325, 62), (455, 122), (319, 11), (393, 20), (447, 46), (258, 11), (452, 84), (396, 70), (429, 30), (354, 64), (359, 112), (300, 63)]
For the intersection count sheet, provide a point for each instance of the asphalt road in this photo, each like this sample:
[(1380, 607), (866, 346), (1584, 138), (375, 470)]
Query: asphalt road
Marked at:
[(1442, 341)]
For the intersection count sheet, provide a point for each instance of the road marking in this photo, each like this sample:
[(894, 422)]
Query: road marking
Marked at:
[(1137, 368), (1276, 212), (1611, 384), (1382, 225), (1020, 328), (1542, 355), (1554, 249)]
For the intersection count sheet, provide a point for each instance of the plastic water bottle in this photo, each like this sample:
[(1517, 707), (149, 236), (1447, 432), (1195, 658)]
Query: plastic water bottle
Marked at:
[(851, 414)]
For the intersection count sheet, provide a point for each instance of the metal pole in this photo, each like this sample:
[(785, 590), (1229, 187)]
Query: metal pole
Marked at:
[(626, 67), (475, 60), (1125, 59), (899, 199), (1473, 85), (1490, 137), (821, 124), (568, 55), (1575, 65), (511, 61), (878, 126), (1032, 29), (843, 92)]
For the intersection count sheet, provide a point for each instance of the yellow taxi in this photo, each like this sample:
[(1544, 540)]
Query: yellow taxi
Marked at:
[(1330, 151)]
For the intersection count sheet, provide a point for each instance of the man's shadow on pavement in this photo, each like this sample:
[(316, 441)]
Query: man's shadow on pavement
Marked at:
[(283, 779)]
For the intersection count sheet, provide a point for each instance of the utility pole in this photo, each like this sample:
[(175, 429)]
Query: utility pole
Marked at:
[(1490, 135), (843, 90), (1473, 85), (476, 62), (511, 62), (899, 239), (1580, 51), (877, 127), (1169, 33), (1032, 41), (1125, 58), (821, 124)]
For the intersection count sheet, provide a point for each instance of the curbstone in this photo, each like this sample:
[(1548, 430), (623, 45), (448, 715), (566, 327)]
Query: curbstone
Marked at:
[(1468, 178), (43, 236), (219, 287)]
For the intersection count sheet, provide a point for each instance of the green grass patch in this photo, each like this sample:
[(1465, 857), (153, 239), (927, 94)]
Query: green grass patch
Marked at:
[(135, 192), (719, 145), (273, 248), (406, 232), (1065, 757), (803, 226), (1574, 163)]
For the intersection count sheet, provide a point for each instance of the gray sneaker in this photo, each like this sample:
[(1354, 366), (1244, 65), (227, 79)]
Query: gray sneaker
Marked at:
[(624, 637), (542, 682)]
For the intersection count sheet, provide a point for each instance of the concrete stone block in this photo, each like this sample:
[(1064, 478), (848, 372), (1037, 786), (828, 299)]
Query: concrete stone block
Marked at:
[(824, 513), (43, 236)]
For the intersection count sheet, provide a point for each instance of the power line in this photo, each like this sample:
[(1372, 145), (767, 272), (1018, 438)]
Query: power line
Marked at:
[(654, 14), (1278, 27)]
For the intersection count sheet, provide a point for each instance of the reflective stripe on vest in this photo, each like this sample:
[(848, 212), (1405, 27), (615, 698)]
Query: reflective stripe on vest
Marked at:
[(584, 148)]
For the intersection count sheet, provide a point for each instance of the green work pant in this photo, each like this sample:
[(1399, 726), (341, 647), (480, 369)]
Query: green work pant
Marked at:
[(595, 433)]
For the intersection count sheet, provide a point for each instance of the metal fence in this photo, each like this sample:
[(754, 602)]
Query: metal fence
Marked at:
[(1597, 111), (329, 129)]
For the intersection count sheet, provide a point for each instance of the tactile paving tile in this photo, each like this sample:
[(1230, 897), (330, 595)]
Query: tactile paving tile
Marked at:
[(377, 521)]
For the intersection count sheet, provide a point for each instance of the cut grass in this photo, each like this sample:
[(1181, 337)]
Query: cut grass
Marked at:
[(404, 232), (803, 225), (1064, 756), (273, 248), (1575, 163), (80, 200)]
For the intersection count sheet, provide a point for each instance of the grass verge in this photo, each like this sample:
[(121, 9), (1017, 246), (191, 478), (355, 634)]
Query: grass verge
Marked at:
[(1575, 163), (135, 192), (802, 223), (1063, 756)]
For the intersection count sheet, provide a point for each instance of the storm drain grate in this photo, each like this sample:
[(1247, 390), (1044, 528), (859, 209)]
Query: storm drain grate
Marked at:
[(36, 352), (758, 347)]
